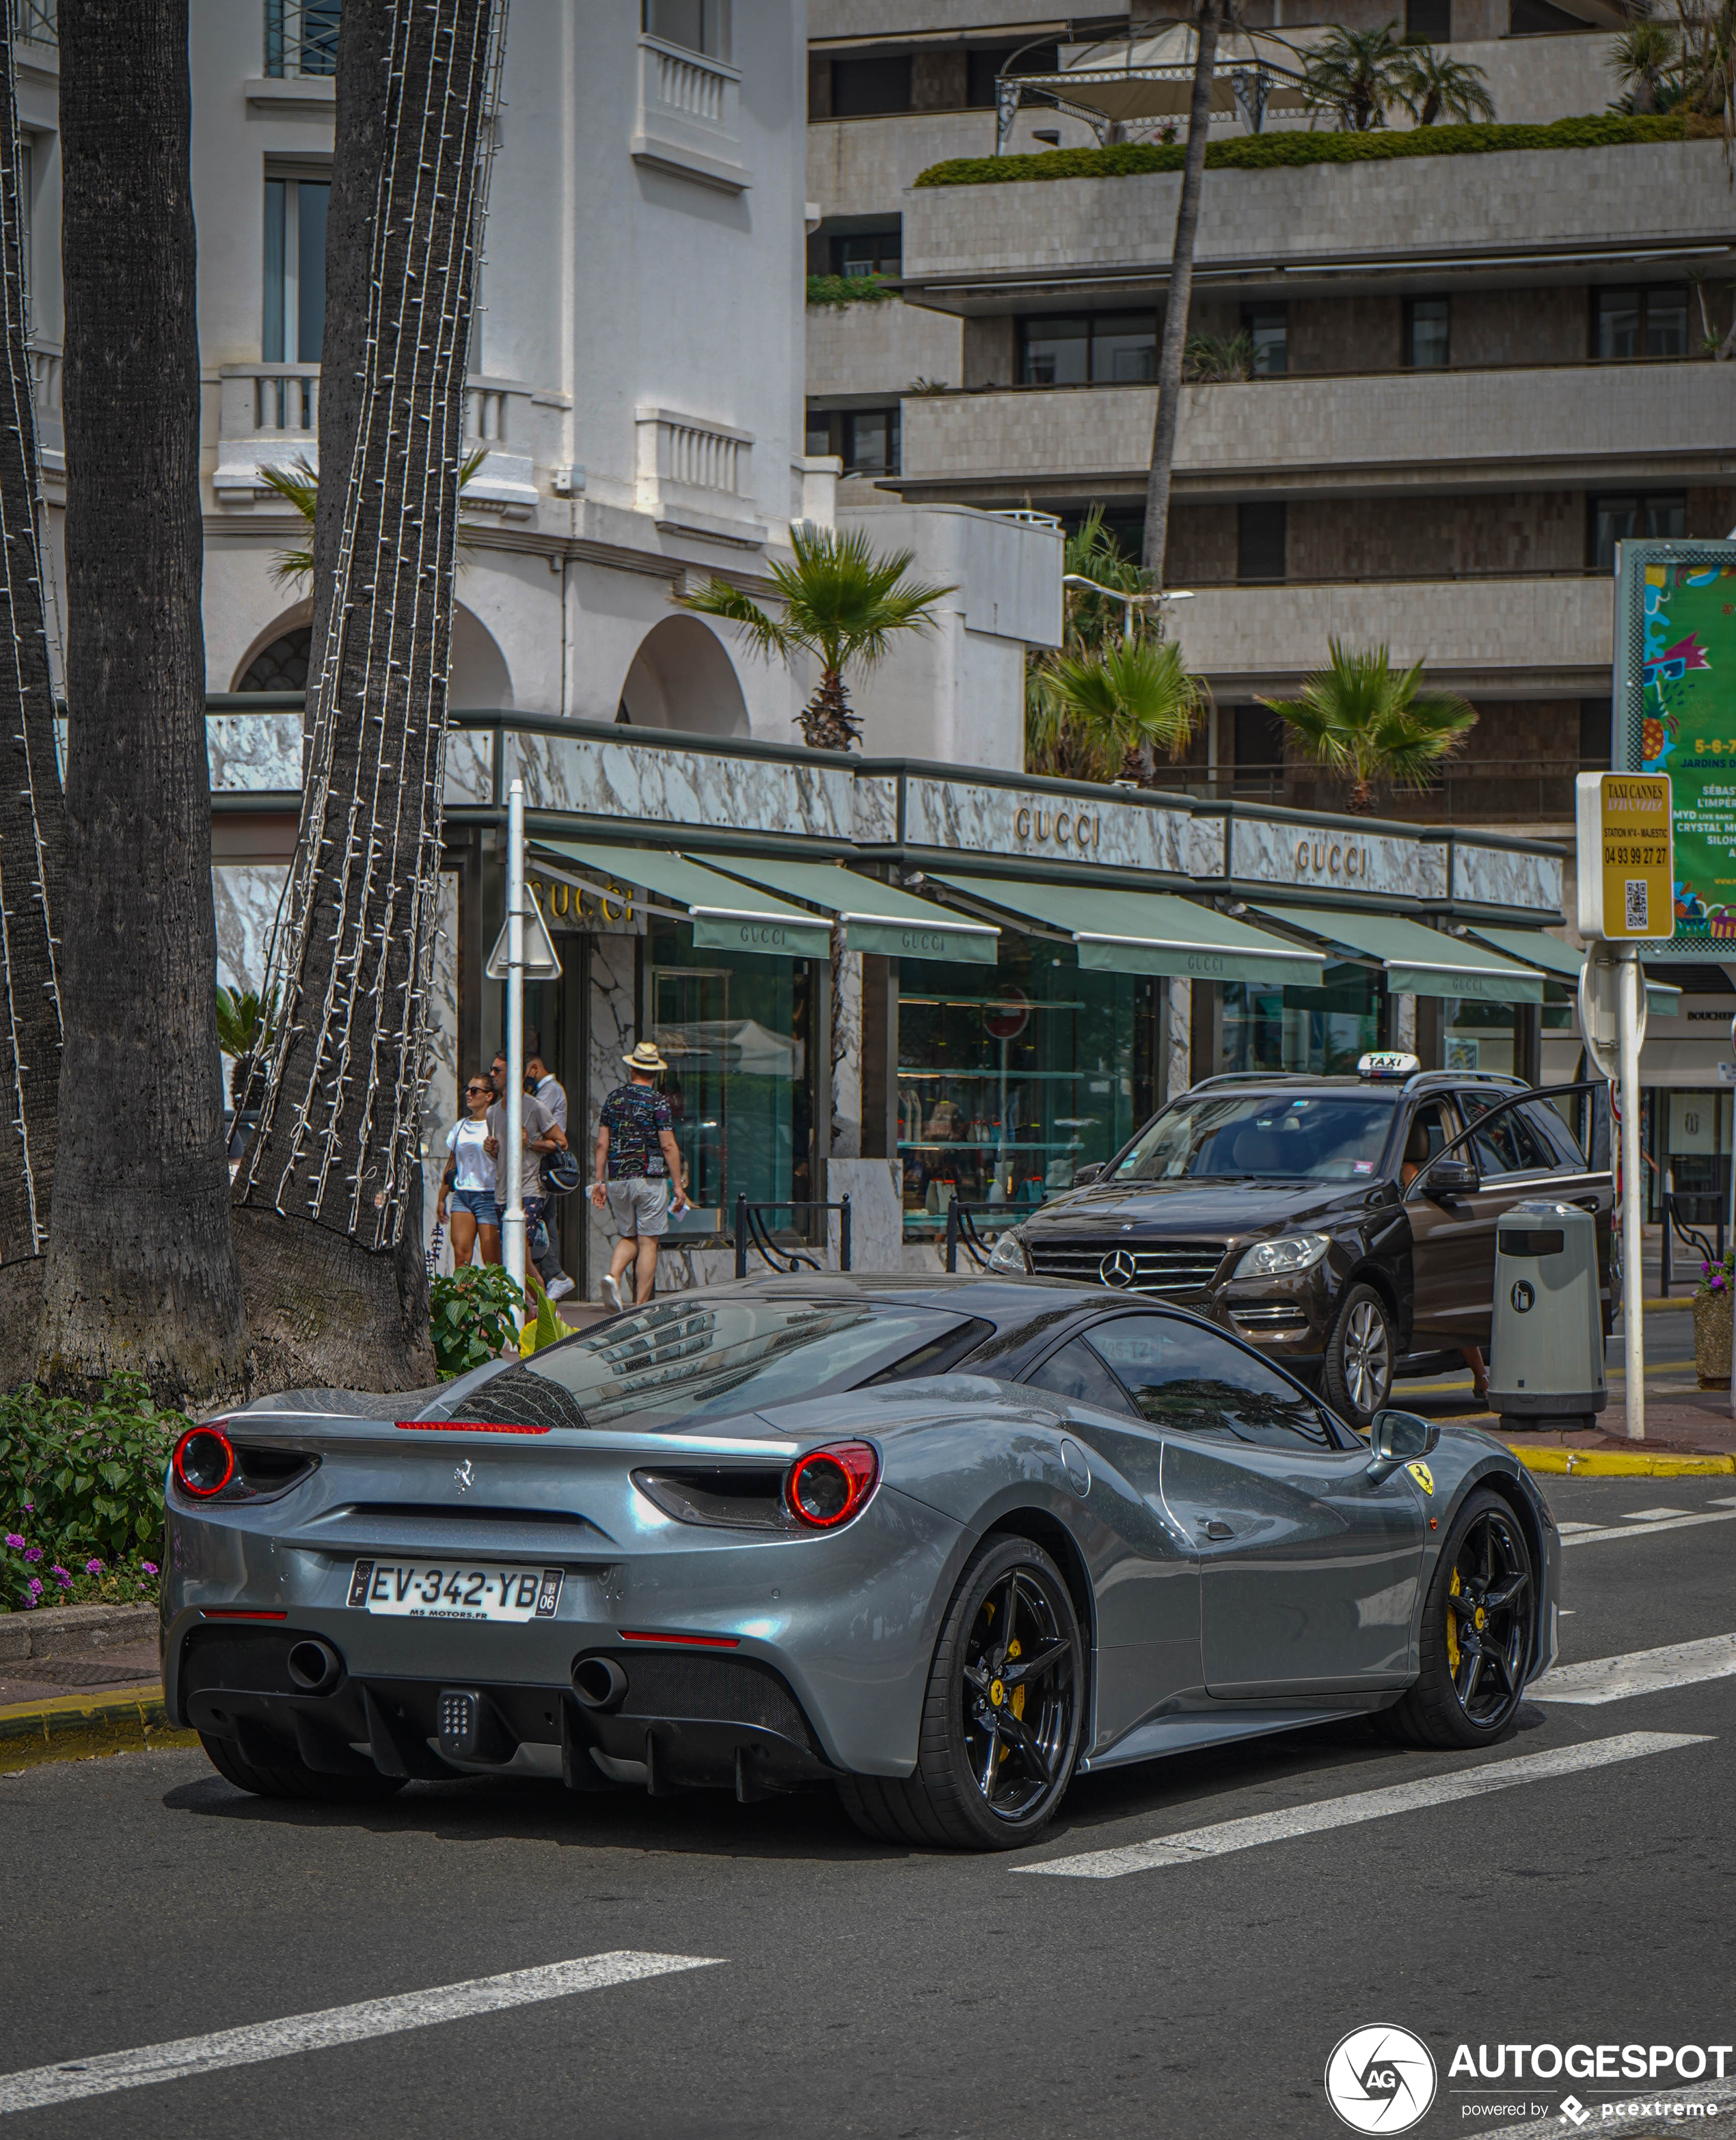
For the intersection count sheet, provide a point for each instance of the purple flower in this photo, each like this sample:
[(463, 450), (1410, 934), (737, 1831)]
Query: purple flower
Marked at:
[(93, 1568), (15, 1542), (149, 1566), (35, 1587), (33, 1552), (62, 1577)]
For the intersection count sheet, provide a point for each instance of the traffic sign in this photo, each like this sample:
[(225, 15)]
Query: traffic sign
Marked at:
[(1625, 856), (540, 962)]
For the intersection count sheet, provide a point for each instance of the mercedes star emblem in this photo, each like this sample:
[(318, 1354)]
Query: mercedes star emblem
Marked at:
[(1118, 1268)]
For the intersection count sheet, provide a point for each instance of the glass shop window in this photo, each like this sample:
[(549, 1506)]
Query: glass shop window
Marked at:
[(1697, 1155), (734, 1029), (1477, 1035), (1321, 1030), (1010, 1077)]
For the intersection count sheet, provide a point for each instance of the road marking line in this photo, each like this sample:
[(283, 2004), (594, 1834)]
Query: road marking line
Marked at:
[(1567, 1529), (1641, 1672), (1652, 1515), (1646, 2097), (68, 2082), (1644, 1530), (1194, 1844)]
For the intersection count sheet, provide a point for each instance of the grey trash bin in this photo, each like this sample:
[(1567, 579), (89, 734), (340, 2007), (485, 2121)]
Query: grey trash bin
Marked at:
[(1546, 1362)]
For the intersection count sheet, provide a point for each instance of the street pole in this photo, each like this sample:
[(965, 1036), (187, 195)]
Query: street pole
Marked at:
[(1630, 980), (512, 1154)]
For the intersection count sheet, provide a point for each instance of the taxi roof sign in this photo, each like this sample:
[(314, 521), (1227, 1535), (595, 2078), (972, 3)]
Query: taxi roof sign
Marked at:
[(1388, 1063)]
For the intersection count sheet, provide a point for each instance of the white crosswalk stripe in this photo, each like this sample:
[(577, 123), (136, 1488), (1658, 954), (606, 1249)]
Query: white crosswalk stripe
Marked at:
[(1194, 1844), (1579, 1534), (113, 2070), (1641, 1672)]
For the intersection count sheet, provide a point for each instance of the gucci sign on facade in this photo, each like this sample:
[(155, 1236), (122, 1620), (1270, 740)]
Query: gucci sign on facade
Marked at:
[(1335, 861), (1080, 830)]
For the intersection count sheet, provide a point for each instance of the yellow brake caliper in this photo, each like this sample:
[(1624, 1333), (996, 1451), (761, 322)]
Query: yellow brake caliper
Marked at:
[(1453, 1630), (1019, 1692)]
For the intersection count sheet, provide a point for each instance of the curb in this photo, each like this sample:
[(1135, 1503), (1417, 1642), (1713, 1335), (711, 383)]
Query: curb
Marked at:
[(1621, 1464), (35, 1732), (67, 1630)]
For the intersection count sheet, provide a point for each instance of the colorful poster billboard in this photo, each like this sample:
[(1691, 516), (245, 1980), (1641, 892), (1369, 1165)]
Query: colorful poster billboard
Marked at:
[(1675, 713)]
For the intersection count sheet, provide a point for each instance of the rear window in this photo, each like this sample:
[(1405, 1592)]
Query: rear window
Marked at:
[(680, 1361)]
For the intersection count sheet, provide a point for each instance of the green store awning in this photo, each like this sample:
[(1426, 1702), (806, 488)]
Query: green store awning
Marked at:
[(1562, 963), (875, 917), (1419, 961), (725, 915), (1150, 932)]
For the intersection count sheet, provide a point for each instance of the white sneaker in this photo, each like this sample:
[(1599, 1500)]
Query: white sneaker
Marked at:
[(561, 1286), (611, 1293)]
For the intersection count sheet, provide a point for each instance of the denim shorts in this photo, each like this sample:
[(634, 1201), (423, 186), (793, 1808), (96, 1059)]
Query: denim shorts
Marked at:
[(479, 1203)]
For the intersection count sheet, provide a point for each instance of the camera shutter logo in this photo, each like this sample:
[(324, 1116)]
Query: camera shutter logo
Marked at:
[(1380, 2079), (1118, 1268)]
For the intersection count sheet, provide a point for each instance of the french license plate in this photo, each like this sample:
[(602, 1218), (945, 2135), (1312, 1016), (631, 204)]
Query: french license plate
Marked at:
[(454, 1590)]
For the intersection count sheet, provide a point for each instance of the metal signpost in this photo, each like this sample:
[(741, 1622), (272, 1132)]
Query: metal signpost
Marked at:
[(518, 949), (1627, 897)]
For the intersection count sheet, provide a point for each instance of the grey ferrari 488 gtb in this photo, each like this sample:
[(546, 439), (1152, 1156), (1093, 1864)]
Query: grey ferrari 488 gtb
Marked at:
[(944, 1544)]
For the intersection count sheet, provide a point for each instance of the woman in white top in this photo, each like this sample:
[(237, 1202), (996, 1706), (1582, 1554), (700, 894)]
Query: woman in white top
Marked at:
[(468, 1183)]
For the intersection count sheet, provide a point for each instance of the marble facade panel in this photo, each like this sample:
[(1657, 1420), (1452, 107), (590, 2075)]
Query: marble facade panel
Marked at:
[(245, 896), (1505, 876), (875, 1189), (469, 767), (680, 787), (973, 818), (1336, 858), (1179, 1068), (846, 1076), (253, 752)]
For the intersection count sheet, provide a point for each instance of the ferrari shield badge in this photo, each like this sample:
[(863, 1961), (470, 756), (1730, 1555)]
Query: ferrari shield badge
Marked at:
[(1423, 1475)]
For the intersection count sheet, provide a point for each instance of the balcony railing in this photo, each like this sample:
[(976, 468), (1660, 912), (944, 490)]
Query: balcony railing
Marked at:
[(1507, 790), (690, 116), (36, 22), (301, 37)]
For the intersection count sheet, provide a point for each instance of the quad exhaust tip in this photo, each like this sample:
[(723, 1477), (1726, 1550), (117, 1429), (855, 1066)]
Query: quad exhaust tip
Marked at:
[(315, 1667), (599, 1682)]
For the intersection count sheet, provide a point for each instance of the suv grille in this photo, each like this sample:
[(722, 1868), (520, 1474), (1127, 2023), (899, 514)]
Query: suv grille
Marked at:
[(1170, 1267)]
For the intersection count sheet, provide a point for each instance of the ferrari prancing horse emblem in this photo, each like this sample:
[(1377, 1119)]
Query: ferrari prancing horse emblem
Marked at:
[(461, 1477)]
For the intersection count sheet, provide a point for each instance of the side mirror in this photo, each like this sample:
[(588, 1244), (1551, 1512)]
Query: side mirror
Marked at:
[(1452, 1177), (1088, 1173), (1403, 1436)]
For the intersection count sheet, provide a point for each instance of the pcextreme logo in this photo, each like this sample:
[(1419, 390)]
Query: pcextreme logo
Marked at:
[(1380, 2079)]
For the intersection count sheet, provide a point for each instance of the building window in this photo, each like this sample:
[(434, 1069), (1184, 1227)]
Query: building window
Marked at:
[(1321, 1030), (281, 666), (696, 26), (1655, 515), (870, 88), (295, 270), (1597, 720), (1651, 321), (1257, 738), (1428, 21), (868, 252), (1267, 329), (301, 37), (1261, 543), (866, 440), (1428, 333), (1103, 349)]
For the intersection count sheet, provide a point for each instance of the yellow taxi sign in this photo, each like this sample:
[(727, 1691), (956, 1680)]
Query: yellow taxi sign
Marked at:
[(1625, 856)]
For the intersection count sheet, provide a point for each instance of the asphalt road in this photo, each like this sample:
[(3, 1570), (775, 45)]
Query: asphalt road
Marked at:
[(859, 1991)]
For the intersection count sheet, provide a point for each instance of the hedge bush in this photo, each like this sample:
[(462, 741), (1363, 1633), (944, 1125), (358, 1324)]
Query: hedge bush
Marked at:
[(849, 289), (1265, 152)]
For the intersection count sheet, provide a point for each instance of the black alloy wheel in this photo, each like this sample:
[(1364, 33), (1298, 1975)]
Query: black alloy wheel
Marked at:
[(1478, 1628), (1002, 1718)]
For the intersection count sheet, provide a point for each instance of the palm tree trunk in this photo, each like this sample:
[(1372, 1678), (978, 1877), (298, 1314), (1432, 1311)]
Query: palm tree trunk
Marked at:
[(826, 720), (141, 1264), (32, 815), (329, 1197), (1181, 291)]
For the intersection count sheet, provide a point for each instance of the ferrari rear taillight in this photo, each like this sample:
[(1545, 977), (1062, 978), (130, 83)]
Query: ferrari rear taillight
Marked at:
[(465, 1426), (204, 1462), (827, 1486)]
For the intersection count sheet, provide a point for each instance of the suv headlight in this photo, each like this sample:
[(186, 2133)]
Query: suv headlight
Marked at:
[(1008, 1254), (1289, 1253)]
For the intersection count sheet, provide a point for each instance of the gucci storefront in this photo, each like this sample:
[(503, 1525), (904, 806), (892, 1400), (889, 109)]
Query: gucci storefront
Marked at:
[(917, 984)]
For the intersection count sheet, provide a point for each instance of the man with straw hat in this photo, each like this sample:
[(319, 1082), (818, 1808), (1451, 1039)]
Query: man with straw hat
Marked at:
[(638, 1166)]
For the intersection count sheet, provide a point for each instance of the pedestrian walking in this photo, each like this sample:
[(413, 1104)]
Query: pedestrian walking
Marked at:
[(467, 1185), (541, 1083), (637, 1172), (542, 1134)]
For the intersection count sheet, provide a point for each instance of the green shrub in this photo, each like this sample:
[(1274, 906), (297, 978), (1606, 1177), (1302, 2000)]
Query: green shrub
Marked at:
[(82, 1490), (472, 1316), (847, 289), (1265, 152)]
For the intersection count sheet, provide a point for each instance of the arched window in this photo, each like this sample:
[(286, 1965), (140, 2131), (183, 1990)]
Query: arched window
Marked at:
[(281, 666)]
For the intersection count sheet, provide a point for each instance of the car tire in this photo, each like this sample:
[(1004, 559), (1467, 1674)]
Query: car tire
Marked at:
[(1360, 1356), (987, 1777), (291, 1779), (1481, 1603)]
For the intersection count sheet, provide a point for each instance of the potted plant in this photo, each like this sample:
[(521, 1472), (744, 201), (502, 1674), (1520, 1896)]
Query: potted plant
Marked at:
[(1712, 1323)]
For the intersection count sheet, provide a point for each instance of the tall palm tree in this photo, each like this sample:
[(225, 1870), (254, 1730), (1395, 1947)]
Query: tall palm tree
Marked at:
[(1207, 20), (1353, 76), (32, 815), (842, 607), (141, 1271), (1125, 705), (1433, 86), (1373, 725), (329, 1193)]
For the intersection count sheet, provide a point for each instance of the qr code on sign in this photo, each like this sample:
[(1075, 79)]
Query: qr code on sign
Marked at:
[(1636, 918)]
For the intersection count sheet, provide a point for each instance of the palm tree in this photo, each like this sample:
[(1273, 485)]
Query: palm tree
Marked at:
[(1431, 87), (245, 1024), (1124, 705), (1645, 58), (842, 606), (1354, 75), (1207, 20), (32, 816), (1374, 725), (328, 1197), (299, 485), (141, 1273)]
